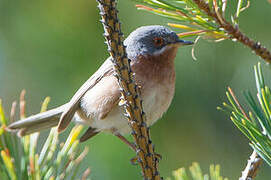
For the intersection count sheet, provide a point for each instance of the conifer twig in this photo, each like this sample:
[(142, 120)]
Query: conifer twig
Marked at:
[(129, 90), (252, 167), (235, 32), (255, 160)]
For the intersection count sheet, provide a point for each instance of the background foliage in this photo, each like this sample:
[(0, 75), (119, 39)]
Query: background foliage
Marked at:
[(19, 158), (52, 47)]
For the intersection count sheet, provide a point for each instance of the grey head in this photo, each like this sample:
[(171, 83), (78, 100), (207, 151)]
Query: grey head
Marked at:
[(151, 40)]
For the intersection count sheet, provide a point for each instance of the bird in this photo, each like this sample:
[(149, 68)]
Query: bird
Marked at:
[(152, 50)]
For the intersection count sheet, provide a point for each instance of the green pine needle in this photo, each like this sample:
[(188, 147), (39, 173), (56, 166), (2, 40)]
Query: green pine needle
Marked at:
[(195, 173), (186, 12), (19, 158), (256, 126)]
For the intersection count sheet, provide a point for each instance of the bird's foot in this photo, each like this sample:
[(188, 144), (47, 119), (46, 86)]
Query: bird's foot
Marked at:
[(134, 160)]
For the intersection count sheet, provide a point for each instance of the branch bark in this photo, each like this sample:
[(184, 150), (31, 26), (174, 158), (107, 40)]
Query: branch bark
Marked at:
[(252, 167), (235, 32), (129, 90)]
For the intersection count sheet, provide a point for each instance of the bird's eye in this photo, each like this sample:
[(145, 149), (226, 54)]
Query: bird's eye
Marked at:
[(158, 41)]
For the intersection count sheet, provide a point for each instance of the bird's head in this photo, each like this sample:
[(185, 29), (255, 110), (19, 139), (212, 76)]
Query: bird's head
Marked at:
[(152, 41)]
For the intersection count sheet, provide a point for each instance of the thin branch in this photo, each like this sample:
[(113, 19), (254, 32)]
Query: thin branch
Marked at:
[(235, 32), (129, 90), (252, 167)]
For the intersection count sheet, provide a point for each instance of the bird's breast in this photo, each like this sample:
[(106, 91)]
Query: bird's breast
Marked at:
[(157, 82), (99, 108), (156, 102)]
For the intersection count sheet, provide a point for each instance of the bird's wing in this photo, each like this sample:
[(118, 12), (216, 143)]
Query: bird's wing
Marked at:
[(66, 117), (98, 102)]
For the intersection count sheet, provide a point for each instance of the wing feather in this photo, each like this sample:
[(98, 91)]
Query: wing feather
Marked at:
[(105, 70)]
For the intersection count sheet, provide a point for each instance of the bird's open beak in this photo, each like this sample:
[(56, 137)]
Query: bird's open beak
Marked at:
[(183, 42)]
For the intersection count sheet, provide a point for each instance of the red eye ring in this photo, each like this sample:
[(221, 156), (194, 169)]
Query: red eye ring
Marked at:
[(158, 41)]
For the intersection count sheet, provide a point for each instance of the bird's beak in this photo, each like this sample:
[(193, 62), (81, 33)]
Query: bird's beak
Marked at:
[(183, 42)]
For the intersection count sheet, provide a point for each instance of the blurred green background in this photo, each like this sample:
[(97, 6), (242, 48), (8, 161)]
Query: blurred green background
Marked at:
[(51, 47)]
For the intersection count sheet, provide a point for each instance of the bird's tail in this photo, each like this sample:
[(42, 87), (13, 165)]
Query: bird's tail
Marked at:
[(37, 122)]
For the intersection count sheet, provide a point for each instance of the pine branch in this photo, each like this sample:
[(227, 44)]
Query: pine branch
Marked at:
[(255, 125), (255, 160), (235, 32), (252, 167), (205, 18), (129, 90)]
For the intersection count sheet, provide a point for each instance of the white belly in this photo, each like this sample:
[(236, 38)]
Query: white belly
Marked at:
[(155, 104)]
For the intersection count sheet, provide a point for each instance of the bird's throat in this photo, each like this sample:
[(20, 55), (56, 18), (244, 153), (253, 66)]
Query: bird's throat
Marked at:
[(155, 70)]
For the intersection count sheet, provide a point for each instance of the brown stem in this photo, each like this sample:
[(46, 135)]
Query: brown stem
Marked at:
[(252, 167), (235, 32), (129, 90), (255, 160), (237, 102)]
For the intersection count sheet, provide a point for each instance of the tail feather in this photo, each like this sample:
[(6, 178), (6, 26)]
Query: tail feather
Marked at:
[(38, 127), (37, 122)]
